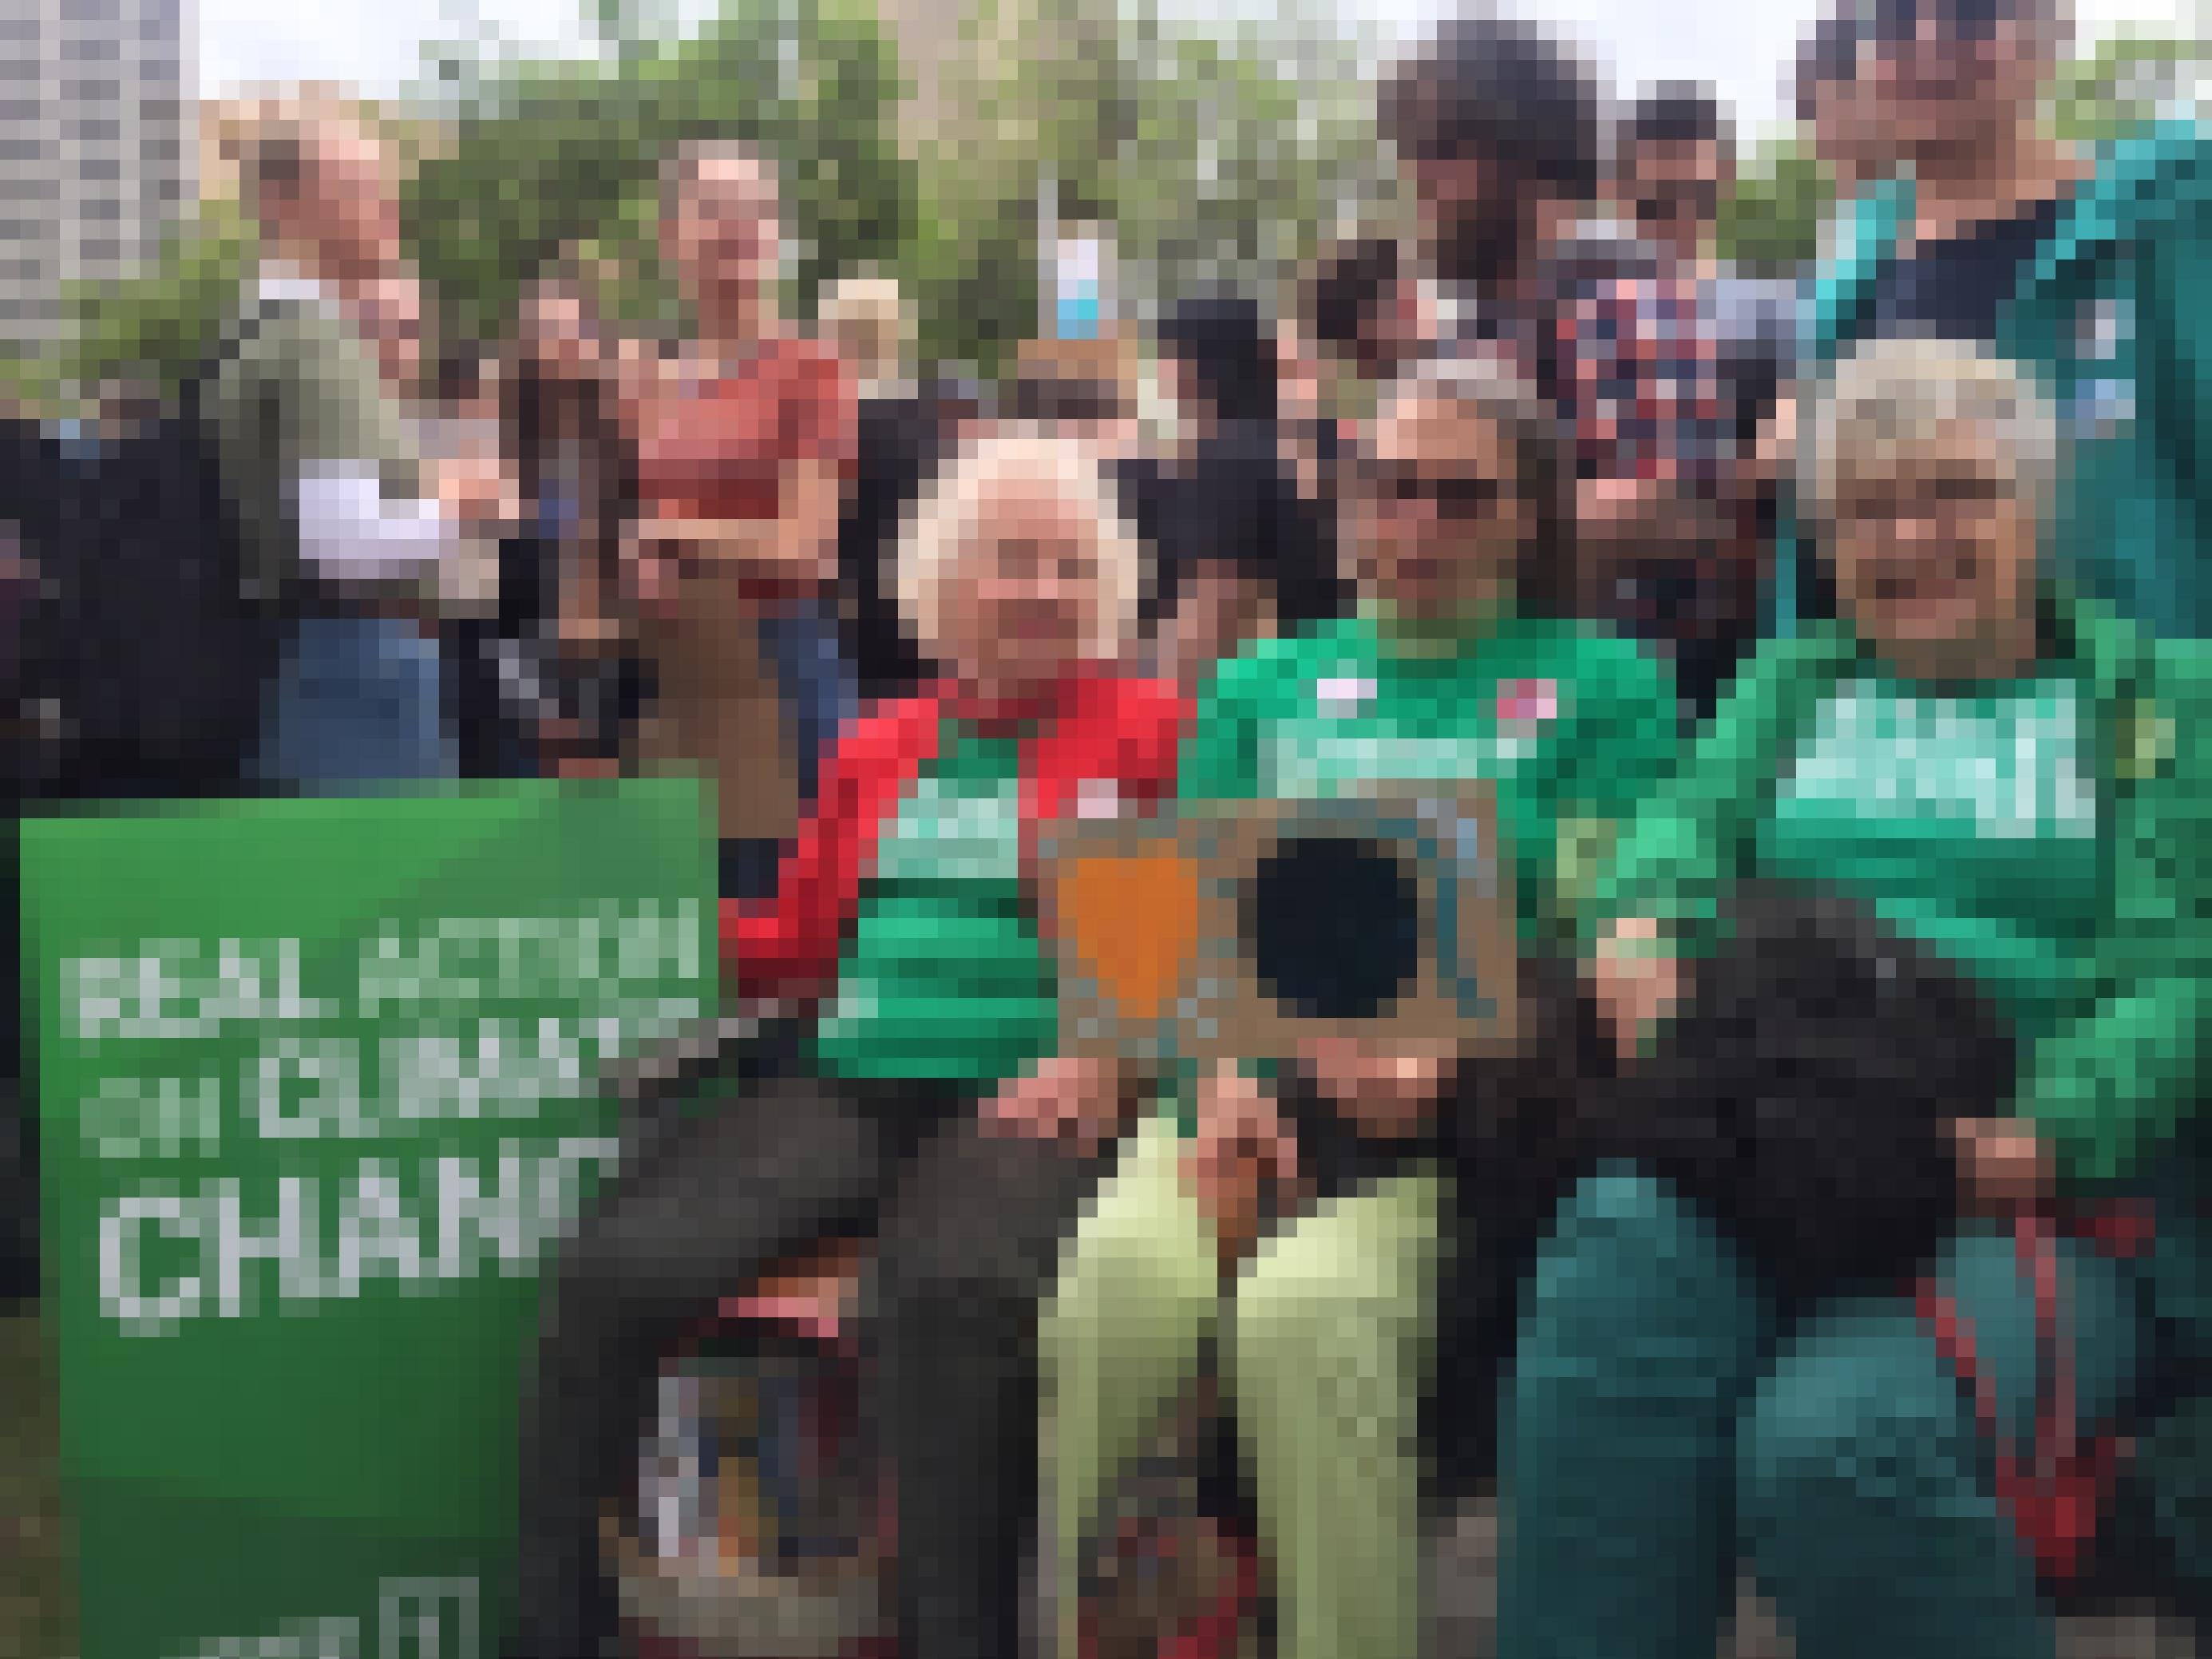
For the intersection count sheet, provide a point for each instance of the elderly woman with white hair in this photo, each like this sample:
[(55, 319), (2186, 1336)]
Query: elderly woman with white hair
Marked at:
[(1974, 1066), (934, 1112)]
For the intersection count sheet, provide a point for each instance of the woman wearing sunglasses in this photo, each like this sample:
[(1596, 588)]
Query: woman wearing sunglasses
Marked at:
[(2095, 268), (1328, 1331)]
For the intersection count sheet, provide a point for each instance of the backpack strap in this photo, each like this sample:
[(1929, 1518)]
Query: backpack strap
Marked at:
[(2058, 1494)]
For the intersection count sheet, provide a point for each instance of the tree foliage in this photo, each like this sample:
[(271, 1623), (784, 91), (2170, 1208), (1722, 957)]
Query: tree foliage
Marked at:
[(1218, 155), (2126, 83), (1254, 146), (1770, 221), (552, 157), (159, 325)]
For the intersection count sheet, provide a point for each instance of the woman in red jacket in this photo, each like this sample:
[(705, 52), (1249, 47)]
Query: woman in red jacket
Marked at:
[(933, 1111)]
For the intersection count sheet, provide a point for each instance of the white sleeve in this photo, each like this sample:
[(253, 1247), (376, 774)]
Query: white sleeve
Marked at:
[(347, 527)]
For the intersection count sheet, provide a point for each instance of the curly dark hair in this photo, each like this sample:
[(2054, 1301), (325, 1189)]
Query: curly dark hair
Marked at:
[(1828, 57), (1224, 339), (1802, 1097), (1674, 112), (1506, 88)]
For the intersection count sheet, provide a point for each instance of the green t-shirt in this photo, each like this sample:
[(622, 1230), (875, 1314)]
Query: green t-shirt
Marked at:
[(1970, 822), (1573, 725), (944, 977)]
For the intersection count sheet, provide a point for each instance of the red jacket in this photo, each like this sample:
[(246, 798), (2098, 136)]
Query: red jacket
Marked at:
[(1101, 730)]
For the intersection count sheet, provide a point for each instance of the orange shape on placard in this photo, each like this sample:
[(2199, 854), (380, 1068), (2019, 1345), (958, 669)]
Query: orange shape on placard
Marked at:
[(1133, 919)]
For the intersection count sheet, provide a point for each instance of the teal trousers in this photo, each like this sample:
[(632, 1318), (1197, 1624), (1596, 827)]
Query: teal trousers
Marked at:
[(1660, 1429)]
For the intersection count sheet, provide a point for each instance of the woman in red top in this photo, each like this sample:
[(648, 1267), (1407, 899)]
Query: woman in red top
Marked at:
[(936, 1115), (745, 440)]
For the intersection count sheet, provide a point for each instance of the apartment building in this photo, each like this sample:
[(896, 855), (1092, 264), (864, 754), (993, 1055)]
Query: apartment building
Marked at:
[(97, 146)]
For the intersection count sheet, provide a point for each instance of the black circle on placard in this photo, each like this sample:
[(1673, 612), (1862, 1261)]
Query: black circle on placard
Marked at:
[(1332, 924)]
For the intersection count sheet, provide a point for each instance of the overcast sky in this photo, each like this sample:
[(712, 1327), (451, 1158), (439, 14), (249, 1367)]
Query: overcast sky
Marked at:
[(1740, 46)]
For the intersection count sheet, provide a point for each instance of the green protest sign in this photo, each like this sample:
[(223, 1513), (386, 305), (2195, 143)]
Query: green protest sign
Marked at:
[(316, 1089)]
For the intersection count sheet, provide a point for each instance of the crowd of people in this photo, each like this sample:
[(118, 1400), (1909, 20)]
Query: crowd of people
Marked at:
[(1833, 645)]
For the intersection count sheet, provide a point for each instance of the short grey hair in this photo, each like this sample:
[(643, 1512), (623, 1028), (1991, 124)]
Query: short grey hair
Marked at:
[(1895, 397), (950, 512), (1488, 389)]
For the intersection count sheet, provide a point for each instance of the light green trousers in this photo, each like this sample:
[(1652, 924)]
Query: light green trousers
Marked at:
[(1325, 1347)]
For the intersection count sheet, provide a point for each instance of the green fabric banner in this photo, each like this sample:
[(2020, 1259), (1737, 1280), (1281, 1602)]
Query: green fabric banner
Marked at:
[(315, 1084)]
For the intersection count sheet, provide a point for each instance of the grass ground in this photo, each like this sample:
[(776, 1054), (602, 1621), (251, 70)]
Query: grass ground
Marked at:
[(37, 1613)]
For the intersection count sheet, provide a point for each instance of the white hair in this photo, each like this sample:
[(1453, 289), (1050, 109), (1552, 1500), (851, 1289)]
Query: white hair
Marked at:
[(1894, 399), (950, 513)]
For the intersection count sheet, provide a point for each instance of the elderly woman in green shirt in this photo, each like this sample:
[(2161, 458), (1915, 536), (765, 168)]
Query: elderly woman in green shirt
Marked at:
[(1330, 1327), (2021, 786)]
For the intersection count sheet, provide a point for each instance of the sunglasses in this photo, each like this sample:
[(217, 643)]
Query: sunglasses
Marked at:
[(1898, 22), (1458, 497), (1955, 502)]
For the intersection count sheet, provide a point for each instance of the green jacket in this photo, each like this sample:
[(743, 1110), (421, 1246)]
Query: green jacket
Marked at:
[(2127, 1063), (298, 386), (2115, 313)]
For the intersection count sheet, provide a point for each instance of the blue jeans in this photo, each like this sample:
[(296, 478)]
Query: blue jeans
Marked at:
[(356, 701), (818, 688), (817, 683)]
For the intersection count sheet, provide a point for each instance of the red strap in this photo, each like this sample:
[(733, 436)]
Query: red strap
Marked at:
[(1213, 1634), (2057, 1497), (2122, 1228)]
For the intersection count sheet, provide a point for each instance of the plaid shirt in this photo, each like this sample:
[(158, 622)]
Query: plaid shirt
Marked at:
[(1630, 352), (1639, 360), (1640, 380)]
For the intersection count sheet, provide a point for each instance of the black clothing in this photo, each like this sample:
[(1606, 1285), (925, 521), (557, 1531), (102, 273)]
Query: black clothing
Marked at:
[(133, 667), (899, 445), (748, 867), (1230, 349), (1235, 501), (970, 1228), (146, 651), (1803, 1096), (1956, 288), (507, 675), (498, 683)]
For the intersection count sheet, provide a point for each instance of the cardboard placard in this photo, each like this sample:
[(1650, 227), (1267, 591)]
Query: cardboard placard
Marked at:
[(1148, 919)]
